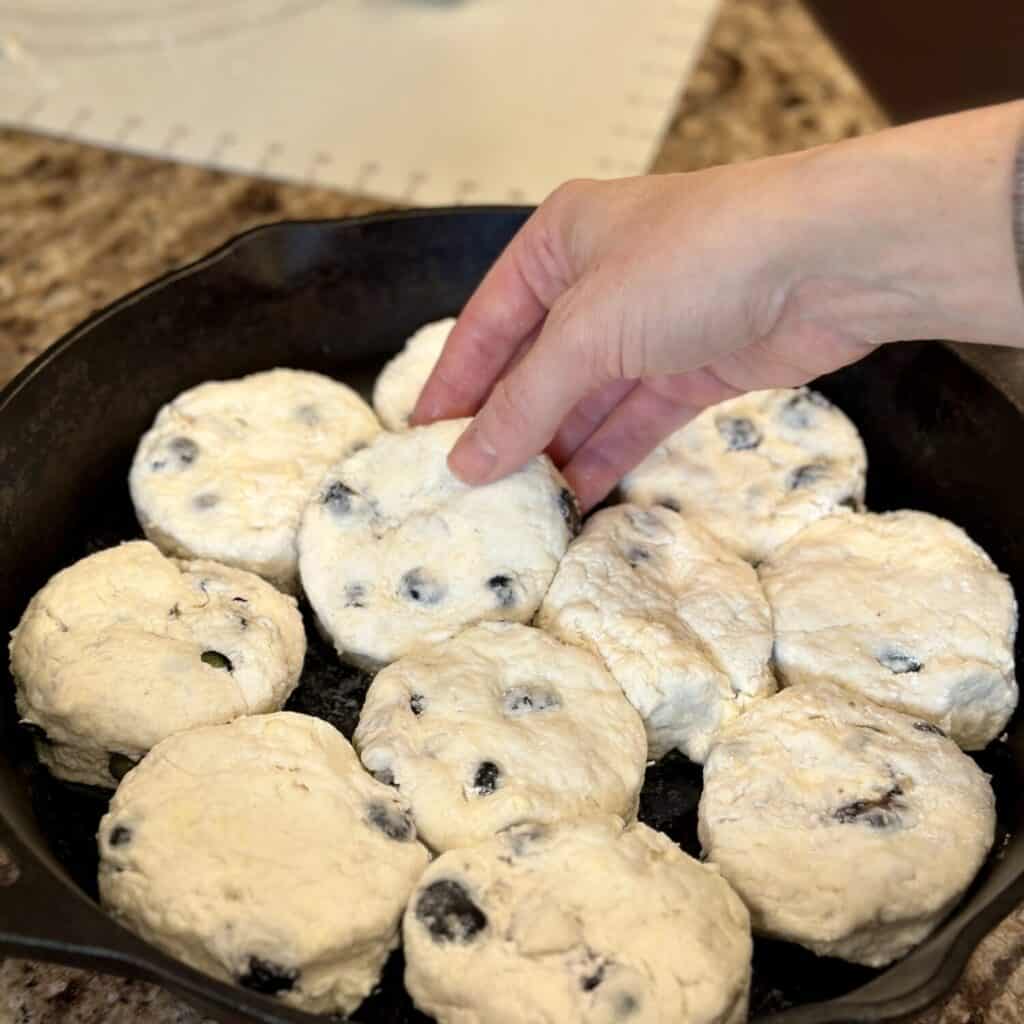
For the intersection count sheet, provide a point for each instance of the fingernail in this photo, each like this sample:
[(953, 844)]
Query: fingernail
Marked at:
[(473, 459)]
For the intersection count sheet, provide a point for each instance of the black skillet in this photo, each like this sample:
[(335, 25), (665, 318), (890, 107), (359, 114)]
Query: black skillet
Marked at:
[(339, 297)]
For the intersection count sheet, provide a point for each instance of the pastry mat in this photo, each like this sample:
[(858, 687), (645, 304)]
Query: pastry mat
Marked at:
[(423, 101)]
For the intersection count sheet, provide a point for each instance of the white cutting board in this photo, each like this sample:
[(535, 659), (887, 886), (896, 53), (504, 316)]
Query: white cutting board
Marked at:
[(428, 101)]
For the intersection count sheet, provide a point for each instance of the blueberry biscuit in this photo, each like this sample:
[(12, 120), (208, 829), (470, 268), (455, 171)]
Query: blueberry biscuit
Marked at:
[(399, 384), (680, 622), (903, 608), (501, 724), (848, 828), (126, 647), (583, 922), (260, 852), (227, 468), (756, 469), (395, 552)]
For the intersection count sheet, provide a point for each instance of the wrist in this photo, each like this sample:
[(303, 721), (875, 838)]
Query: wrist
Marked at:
[(909, 233)]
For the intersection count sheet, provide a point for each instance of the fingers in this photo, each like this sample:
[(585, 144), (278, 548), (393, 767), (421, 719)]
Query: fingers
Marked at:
[(507, 307), (527, 406), (588, 415), (645, 417)]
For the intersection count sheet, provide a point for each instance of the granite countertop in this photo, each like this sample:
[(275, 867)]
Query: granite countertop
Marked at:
[(80, 226)]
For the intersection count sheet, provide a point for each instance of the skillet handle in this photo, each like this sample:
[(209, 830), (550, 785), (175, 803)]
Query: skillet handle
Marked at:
[(44, 915)]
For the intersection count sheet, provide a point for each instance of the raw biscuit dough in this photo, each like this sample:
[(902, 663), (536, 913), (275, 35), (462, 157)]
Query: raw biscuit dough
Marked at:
[(848, 828), (680, 622), (228, 466), (584, 922), (756, 469), (260, 852), (906, 610), (501, 724), (397, 553), (399, 384), (127, 646)]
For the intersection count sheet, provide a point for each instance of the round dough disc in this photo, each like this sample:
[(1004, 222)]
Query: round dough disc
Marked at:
[(228, 466), (584, 922), (906, 610), (396, 553), (679, 621), (755, 470), (501, 724), (126, 647), (260, 852), (399, 384), (848, 828)]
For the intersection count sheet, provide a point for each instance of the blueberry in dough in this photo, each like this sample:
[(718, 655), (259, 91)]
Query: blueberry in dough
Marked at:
[(898, 662), (392, 822), (449, 913), (338, 498), (183, 451), (120, 835), (798, 412), (268, 978), (590, 981), (217, 660), (526, 700), (416, 703), (569, 508), (807, 476), (636, 555), (206, 500), (355, 594), (486, 779), (880, 813), (417, 586), (504, 590), (739, 433)]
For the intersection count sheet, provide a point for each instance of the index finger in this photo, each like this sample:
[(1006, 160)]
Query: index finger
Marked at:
[(503, 314)]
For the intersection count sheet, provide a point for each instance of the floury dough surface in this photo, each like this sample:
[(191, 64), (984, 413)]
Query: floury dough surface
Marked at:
[(680, 622), (757, 469), (126, 647), (396, 553), (260, 852), (399, 384), (228, 466), (585, 923), (906, 610), (502, 724), (848, 828)]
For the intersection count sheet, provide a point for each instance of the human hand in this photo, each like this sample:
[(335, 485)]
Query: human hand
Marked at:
[(621, 309)]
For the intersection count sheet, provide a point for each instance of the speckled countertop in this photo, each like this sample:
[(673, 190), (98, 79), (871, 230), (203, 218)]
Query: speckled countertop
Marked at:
[(80, 226)]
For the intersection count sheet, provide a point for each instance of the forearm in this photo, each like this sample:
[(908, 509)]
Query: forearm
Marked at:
[(911, 232)]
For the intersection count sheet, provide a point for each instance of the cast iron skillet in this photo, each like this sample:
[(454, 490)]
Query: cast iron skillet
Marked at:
[(338, 297)]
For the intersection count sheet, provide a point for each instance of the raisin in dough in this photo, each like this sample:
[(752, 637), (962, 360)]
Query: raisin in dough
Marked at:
[(127, 646), (848, 828), (396, 552), (906, 610), (399, 384), (583, 922), (680, 622), (261, 852), (502, 724), (755, 470), (227, 468)]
